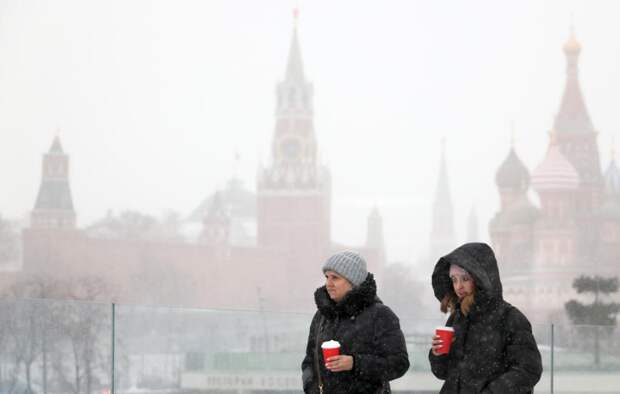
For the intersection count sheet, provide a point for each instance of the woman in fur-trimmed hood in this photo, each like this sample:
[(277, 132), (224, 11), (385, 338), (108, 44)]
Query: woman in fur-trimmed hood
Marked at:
[(493, 350), (372, 345)]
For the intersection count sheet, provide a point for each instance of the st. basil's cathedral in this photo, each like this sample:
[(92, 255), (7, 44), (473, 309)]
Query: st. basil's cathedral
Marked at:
[(573, 229)]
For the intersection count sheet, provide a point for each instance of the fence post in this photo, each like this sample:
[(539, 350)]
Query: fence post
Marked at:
[(113, 345), (552, 354)]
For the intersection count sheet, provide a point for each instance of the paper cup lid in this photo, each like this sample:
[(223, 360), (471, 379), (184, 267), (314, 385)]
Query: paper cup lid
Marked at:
[(330, 344), (445, 328)]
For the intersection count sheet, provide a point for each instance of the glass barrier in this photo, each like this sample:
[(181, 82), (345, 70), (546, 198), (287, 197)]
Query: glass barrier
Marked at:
[(66, 347), (55, 346), (586, 359), (542, 334), (208, 350)]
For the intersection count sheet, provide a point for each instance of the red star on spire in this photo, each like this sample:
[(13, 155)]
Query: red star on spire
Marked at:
[(296, 14)]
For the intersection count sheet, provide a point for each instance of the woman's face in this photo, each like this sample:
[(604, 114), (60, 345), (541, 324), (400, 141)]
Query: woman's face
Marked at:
[(462, 283), (337, 286)]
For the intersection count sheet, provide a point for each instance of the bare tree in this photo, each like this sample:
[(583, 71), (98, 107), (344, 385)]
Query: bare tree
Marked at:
[(9, 353), (134, 225), (84, 325), (38, 319), (9, 242), (4, 311), (40, 328)]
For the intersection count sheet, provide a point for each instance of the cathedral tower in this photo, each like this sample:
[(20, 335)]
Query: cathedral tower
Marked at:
[(577, 140), (609, 216), (511, 229), (557, 182), (576, 136)]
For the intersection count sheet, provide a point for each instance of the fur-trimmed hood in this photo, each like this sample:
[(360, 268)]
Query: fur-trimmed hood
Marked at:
[(353, 303)]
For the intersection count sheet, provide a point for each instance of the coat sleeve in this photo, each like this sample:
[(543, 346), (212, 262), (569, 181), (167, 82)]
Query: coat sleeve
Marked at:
[(309, 380), (523, 361), (390, 359), (439, 364)]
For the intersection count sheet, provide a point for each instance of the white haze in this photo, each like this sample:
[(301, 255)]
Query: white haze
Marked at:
[(153, 99)]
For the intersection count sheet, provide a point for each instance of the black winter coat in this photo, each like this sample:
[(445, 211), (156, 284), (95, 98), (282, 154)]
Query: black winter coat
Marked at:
[(494, 350), (367, 330)]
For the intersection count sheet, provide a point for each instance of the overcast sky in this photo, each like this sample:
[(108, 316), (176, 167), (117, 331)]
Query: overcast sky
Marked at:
[(153, 98)]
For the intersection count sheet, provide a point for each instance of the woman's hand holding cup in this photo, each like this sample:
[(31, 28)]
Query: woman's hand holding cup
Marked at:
[(334, 361), (339, 363), (436, 345), (444, 336)]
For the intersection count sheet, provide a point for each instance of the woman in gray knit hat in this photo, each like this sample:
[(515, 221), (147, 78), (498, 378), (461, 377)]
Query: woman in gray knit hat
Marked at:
[(372, 345)]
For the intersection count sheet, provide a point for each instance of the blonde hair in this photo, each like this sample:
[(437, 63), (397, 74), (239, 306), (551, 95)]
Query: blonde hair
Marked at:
[(449, 301)]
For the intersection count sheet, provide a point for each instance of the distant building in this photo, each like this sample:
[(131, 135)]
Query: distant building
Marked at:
[(576, 228), (238, 203), (252, 251)]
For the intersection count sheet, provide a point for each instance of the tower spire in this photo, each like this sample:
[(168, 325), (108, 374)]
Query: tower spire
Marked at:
[(442, 230), (54, 205), (56, 146), (574, 133), (295, 16), (294, 148), (294, 66), (374, 232), (237, 160), (573, 116), (612, 175), (216, 223)]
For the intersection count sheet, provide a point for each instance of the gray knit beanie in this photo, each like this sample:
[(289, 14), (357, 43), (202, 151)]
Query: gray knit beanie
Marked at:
[(349, 265)]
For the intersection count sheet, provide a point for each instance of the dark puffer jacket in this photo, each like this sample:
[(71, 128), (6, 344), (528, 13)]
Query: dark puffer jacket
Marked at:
[(367, 330), (494, 350)]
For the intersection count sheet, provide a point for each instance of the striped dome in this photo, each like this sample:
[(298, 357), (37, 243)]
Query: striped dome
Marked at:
[(555, 172), (612, 179)]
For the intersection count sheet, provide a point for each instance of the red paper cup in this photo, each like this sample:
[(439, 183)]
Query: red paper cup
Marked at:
[(445, 334), (330, 349)]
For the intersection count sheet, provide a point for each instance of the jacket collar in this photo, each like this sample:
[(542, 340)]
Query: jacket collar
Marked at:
[(353, 303)]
